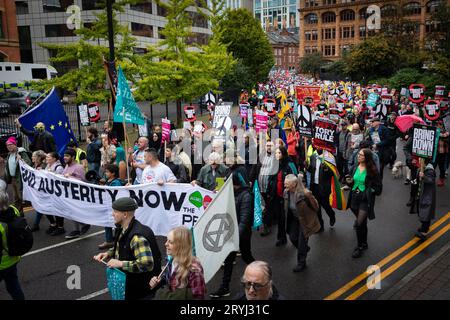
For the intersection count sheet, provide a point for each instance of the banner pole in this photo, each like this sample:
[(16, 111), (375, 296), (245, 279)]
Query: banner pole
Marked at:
[(126, 143)]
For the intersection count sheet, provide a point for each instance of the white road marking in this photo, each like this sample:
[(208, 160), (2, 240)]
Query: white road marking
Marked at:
[(62, 244), (93, 295)]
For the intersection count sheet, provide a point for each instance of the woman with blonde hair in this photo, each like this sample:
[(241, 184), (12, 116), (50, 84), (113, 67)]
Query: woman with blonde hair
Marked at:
[(183, 278)]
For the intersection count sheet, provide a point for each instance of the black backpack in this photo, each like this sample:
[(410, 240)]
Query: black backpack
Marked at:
[(19, 235)]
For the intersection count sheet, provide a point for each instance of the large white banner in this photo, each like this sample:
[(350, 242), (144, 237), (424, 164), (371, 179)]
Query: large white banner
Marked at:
[(216, 233), (162, 208)]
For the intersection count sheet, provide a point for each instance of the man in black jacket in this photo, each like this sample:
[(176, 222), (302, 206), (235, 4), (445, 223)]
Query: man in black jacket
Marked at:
[(40, 138), (244, 210), (135, 251)]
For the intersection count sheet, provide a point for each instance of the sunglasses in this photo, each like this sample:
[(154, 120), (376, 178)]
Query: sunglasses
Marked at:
[(256, 286)]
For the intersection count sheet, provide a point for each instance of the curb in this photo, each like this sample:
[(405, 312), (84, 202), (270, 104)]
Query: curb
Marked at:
[(410, 276)]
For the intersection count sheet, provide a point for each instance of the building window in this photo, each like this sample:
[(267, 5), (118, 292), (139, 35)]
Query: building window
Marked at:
[(412, 8), (26, 50), (431, 26), (93, 4), (310, 3), (56, 5), (362, 31), (58, 30), (161, 11), (347, 15), (140, 51), (329, 2), (141, 30), (198, 38), (389, 10), (363, 13), (21, 7), (328, 17), (311, 18), (311, 35), (314, 34), (329, 51), (347, 32), (328, 34), (433, 5), (145, 7), (160, 35), (2, 33), (198, 20)]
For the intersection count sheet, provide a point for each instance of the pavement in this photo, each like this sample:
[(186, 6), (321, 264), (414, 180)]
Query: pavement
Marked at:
[(394, 253)]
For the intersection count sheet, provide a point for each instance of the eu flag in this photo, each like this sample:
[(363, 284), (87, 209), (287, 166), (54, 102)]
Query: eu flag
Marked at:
[(50, 112)]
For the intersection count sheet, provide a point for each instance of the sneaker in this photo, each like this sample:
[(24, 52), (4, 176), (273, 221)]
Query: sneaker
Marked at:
[(106, 245), (85, 228), (441, 183), (422, 236), (357, 253), (73, 235), (332, 221), (34, 228), (238, 254), (299, 267), (50, 229), (280, 242), (407, 182), (266, 231), (222, 292), (58, 231)]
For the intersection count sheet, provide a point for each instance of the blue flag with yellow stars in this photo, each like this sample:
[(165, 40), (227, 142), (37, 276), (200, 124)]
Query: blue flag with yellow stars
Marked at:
[(50, 112)]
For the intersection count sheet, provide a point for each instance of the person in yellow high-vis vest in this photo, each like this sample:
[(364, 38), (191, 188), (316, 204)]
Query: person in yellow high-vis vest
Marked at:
[(80, 156), (8, 264)]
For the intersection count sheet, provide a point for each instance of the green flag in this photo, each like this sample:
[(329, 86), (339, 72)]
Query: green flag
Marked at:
[(125, 103)]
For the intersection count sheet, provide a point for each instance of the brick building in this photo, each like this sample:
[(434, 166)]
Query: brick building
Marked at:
[(332, 26), (285, 48), (9, 36)]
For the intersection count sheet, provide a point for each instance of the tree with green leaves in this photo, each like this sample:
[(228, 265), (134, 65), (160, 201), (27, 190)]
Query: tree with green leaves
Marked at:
[(173, 70), (88, 80), (250, 46), (311, 63)]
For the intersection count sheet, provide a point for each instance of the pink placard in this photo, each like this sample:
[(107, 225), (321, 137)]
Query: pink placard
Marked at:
[(261, 121), (165, 130)]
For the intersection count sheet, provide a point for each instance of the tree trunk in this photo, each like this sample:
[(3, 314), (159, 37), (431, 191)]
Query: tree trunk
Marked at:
[(179, 114)]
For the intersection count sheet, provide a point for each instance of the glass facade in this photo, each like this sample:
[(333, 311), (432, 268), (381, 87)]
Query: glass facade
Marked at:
[(277, 13)]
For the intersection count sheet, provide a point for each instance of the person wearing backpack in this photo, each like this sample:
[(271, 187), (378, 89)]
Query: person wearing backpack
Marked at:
[(9, 250), (302, 218)]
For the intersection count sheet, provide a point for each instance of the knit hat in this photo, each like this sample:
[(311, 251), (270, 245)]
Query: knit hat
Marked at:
[(124, 205), (11, 140)]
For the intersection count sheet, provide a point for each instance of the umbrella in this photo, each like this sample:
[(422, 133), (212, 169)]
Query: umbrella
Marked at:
[(404, 123)]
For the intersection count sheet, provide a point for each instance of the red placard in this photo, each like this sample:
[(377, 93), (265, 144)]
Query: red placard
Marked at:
[(189, 112), (431, 110), (324, 135), (270, 106), (303, 92), (417, 93), (94, 111)]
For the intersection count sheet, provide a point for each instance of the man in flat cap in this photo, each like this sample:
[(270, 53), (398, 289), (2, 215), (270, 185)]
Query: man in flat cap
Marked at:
[(135, 251), (40, 138)]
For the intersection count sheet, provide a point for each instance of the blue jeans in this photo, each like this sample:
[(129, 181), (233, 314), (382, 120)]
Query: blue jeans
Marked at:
[(12, 282), (94, 166), (37, 219), (109, 235)]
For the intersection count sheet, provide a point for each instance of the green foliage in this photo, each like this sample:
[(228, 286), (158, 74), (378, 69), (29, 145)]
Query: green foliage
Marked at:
[(248, 43), (311, 63)]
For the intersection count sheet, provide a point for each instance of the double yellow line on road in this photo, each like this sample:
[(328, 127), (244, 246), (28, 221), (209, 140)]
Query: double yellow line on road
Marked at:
[(391, 257)]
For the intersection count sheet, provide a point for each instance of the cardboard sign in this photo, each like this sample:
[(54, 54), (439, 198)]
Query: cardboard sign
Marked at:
[(386, 100), (372, 100), (431, 110), (243, 107), (165, 124), (269, 106), (404, 92), (262, 120), (220, 114), (439, 93), (303, 92), (425, 141), (94, 112), (84, 115), (304, 121), (189, 112), (417, 93), (324, 135)]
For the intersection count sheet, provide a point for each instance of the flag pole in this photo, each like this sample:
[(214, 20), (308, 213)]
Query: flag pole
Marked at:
[(126, 143)]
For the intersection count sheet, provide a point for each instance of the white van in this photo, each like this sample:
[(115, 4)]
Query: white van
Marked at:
[(15, 73)]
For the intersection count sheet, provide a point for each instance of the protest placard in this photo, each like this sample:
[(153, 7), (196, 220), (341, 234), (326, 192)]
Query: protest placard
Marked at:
[(425, 141), (324, 135)]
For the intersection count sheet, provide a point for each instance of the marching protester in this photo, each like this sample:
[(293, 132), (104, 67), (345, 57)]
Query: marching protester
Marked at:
[(138, 159), (427, 199), (80, 154), (156, 171), (38, 158), (12, 170), (380, 140), (40, 138), (135, 250), (155, 143), (121, 163), (244, 210), (442, 153), (343, 136), (54, 165), (365, 183), (183, 279), (8, 264), (302, 218), (321, 175), (74, 170), (108, 154), (258, 284), (112, 180), (175, 165), (207, 177), (93, 154), (276, 193)]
